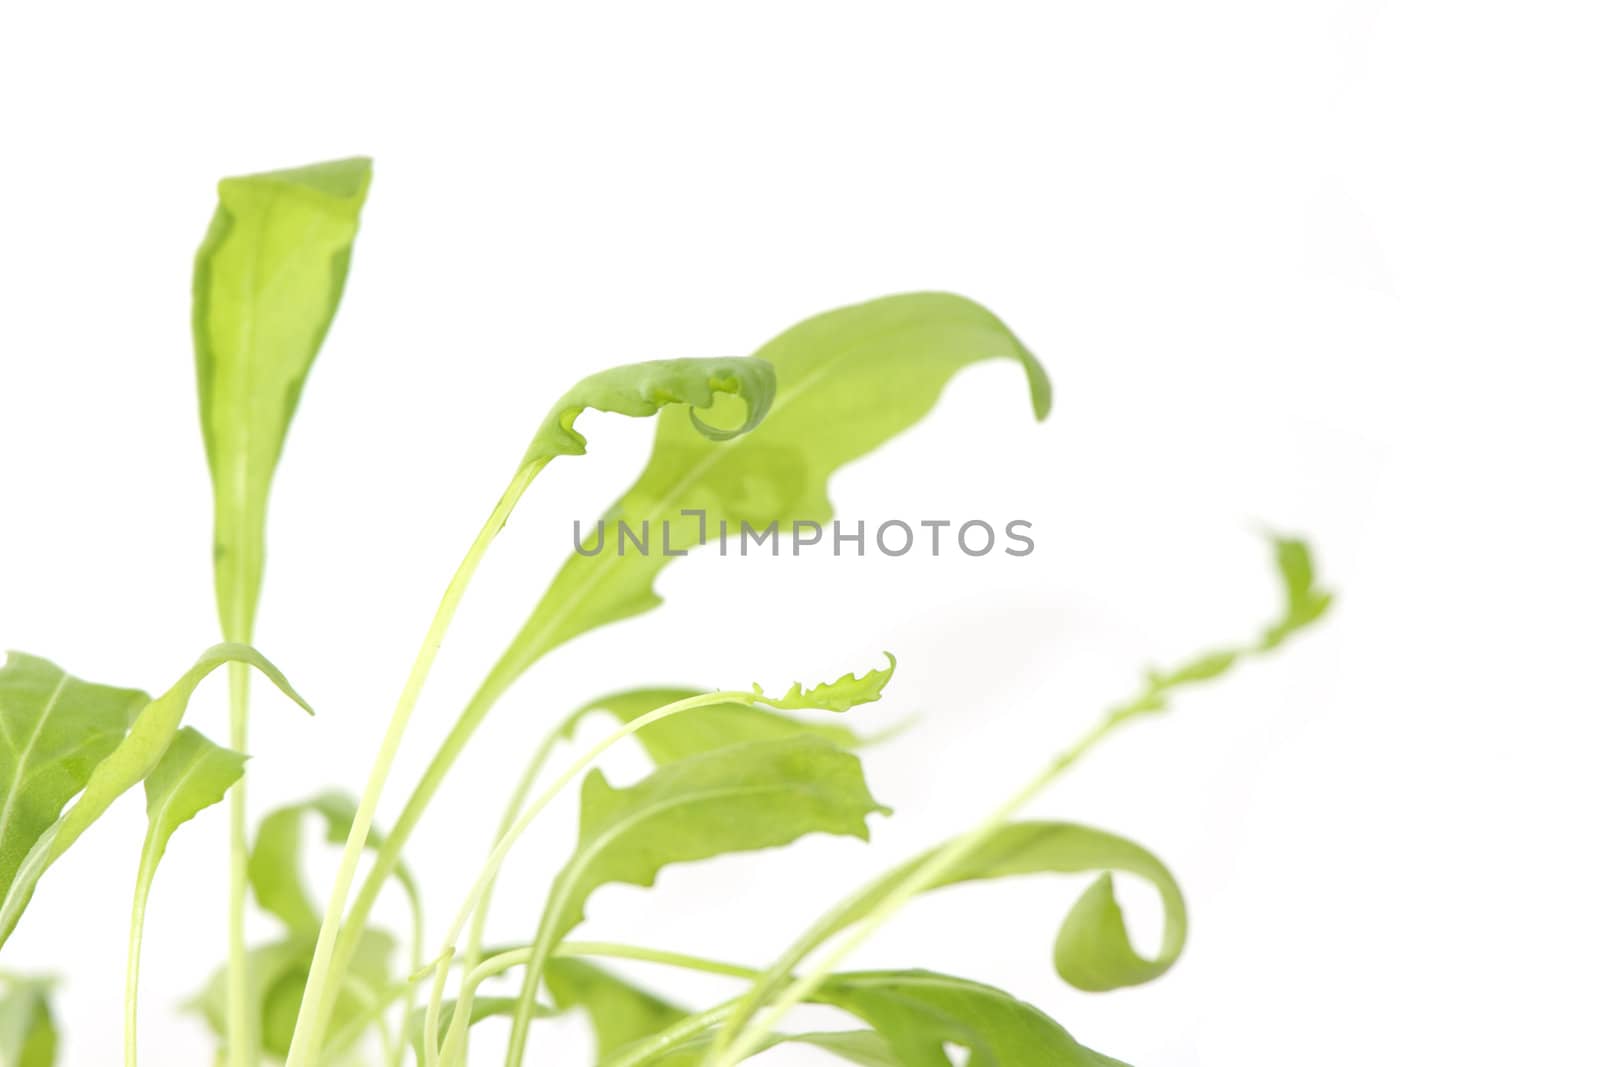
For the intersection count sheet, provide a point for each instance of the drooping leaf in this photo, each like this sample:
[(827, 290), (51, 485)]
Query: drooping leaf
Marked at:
[(193, 774), (54, 730), (28, 1036), (274, 867), (1093, 950), (849, 380), (738, 799), (482, 1008), (278, 971), (643, 389), (841, 695), (704, 729), (919, 1012), (129, 760), (267, 280)]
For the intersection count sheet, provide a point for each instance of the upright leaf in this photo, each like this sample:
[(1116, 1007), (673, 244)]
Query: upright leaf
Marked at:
[(267, 281), (129, 760), (193, 775), (28, 1036), (849, 379)]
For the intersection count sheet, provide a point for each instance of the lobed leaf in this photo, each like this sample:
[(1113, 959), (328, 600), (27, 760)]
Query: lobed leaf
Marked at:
[(267, 281), (918, 1013), (704, 729), (851, 379), (841, 695), (643, 389), (116, 770), (737, 799)]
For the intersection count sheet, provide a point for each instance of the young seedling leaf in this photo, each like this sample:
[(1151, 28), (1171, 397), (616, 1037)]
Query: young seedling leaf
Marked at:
[(28, 1035), (704, 729), (275, 871), (129, 760), (842, 695), (193, 774), (267, 281), (643, 389), (619, 1012), (851, 379), (918, 1013)]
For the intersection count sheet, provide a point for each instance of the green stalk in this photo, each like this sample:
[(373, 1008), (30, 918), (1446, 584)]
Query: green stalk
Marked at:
[(543, 942), (738, 1041), (243, 1041), (130, 994), (303, 1047)]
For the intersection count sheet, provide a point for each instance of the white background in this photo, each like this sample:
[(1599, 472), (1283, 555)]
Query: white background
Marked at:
[(1326, 266)]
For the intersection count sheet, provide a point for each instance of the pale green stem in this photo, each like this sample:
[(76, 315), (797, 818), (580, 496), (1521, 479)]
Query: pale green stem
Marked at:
[(303, 1050), (519, 796), (243, 1041), (130, 995), (737, 1042), (497, 856)]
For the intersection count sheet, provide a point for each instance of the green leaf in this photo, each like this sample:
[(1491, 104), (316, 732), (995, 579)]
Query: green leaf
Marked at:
[(482, 1008), (193, 775), (619, 1012), (737, 799), (277, 973), (1304, 603), (1093, 950), (54, 730), (849, 380), (704, 729), (841, 695), (919, 1012), (267, 281), (93, 710), (275, 871), (28, 1036), (642, 389)]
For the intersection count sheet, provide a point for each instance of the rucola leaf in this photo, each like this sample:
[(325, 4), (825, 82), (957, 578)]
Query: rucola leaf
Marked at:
[(849, 380), (121, 762), (737, 799), (919, 1012), (841, 695), (704, 729), (619, 1012), (193, 775), (267, 281), (54, 730), (28, 1036), (274, 868)]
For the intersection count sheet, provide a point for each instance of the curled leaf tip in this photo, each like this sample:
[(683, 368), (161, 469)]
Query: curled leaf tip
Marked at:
[(841, 695)]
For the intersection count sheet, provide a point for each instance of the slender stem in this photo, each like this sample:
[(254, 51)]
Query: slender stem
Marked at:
[(130, 995), (736, 1043), (243, 1041), (519, 796), (302, 1047), (543, 942)]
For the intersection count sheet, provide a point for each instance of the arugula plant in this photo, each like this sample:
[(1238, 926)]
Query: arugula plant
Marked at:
[(735, 770)]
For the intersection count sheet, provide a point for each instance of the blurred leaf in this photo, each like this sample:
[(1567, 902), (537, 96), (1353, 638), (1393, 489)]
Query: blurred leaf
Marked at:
[(275, 859), (619, 1012), (28, 1036)]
